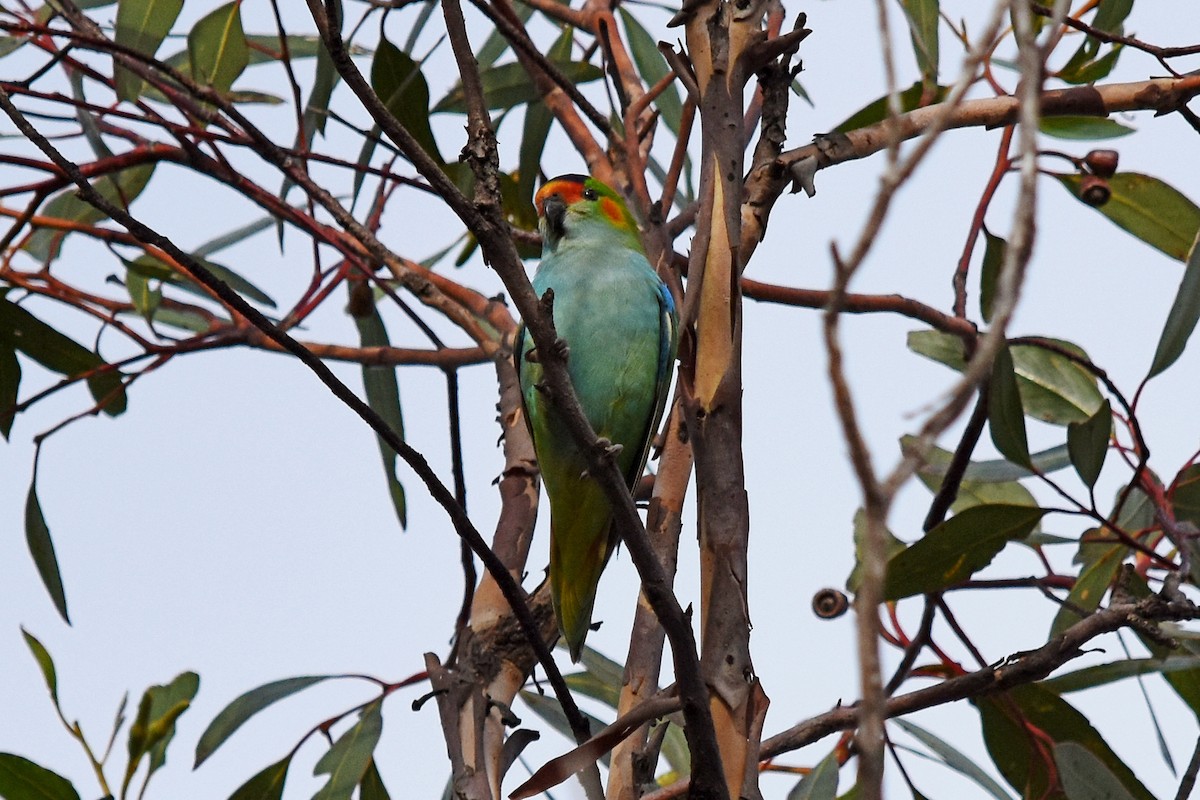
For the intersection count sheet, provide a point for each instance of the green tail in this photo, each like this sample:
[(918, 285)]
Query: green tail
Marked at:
[(580, 544)]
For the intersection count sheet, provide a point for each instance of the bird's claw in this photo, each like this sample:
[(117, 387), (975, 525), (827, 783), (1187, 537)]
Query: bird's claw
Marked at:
[(609, 447)]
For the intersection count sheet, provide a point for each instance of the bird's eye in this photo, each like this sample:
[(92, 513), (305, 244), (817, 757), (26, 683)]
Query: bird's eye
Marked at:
[(590, 194)]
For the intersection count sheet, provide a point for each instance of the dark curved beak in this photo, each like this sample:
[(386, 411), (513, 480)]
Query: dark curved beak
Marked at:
[(554, 211)]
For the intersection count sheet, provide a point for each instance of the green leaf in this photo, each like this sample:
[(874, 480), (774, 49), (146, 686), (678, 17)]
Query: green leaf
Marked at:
[(497, 43), (1185, 495), (398, 81), (235, 236), (1151, 210), (1111, 14), (371, 787), (217, 49), (1053, 388), (894, 547), (166, 704), (141, 25), (346, 762), (953, 758), (45, 664), (923, 28), (877, 110), (21, 779), (61, 354), (958, 548), (1087, 443), (145, 298), (1006, 417), (1182, 318), (10, 383), (41, 547), (1102, 674), (1021, 761), (120, 188), (509, 85), (264, 48), (383, 396), (246, 706), (549, 710), (1089, 587), (1086, 65), (1085, 777), (994, 470), (1083, 128), (993, 258), (601, 679), (150, 267), (821, 783), (653, 68), (266, 785)]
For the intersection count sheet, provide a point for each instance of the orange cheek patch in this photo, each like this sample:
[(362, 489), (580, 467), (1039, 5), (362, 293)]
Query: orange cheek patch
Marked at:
[(612, 211), (570, 192)]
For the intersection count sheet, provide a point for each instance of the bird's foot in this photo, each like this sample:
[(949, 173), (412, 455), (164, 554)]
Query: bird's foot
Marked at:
[(609, 447)]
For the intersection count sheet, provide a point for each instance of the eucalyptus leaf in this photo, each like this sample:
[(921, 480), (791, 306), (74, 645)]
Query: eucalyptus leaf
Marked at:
[(958, 548), (217, 50), (1153, 211)]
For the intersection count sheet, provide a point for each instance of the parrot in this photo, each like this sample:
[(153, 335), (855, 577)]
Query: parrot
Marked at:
[(619, 322)]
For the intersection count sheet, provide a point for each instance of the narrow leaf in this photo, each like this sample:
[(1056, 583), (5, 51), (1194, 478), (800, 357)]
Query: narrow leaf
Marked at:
[(653, 68), (992, 470), (993, 258), (509, 85), (166, 704), (383, 396), (1085, 777), (821, 783), (894, 547), (923, 28), (346, 762), (246, 706), (548, 709), (37, 537), (398, 81), (1083, 128), (497, 43), (1019, 756), (1006, 417), (21, 779), (1111, 14), (954, 759), (1182, 318), (1087, 443), (266, 785), (45, 664), (1151, 210), (141, 25), (217, 49), (1053, 388), (10, 383), (120, 188), (957, 548), (372, 787), (1089, 588), (877, 110), (235, 236), (1102, 674)]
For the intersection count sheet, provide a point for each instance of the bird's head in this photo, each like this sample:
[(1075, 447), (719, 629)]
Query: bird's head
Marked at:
[(571, 206)]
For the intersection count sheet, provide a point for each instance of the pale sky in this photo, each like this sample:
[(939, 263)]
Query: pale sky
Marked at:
[(234, 521)]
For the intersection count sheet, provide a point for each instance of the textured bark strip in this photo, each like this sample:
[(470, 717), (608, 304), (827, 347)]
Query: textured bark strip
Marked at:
[(631, 765), (717, 39)]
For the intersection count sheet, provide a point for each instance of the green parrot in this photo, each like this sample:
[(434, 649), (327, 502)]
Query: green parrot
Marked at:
[(619, 322)]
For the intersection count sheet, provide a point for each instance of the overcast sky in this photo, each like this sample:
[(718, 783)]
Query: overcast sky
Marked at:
[(234, 522)]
